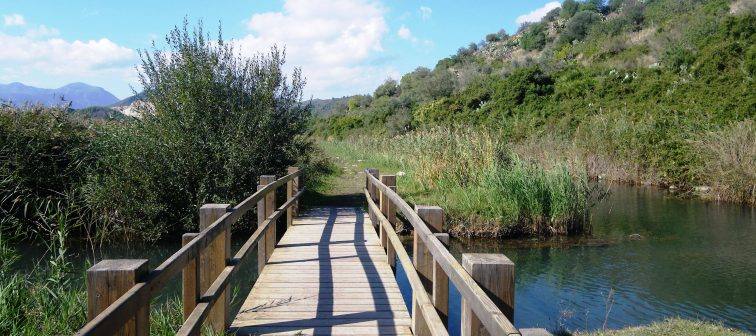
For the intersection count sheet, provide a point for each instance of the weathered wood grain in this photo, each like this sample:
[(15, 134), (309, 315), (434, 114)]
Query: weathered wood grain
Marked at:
[(328, 275)]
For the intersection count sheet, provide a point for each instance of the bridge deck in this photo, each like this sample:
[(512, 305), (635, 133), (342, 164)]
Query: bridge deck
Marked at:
[(327, 276)]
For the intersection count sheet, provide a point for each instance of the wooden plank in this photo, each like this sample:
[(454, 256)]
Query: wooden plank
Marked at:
[(329, 276), (323, 331)]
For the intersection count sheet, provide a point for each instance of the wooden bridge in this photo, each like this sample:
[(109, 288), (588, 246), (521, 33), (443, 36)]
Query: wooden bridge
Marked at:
[(331, 273)]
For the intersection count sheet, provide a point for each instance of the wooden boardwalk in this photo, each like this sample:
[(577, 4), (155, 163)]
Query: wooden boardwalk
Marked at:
[(328, 275)]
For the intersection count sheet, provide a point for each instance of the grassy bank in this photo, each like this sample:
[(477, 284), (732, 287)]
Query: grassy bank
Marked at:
[(672, 327), (485, 187)]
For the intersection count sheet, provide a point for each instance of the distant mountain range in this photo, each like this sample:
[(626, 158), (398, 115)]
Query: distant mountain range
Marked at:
[(80, 95)]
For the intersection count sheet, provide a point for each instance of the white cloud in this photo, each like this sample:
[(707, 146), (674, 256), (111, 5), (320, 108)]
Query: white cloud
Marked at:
[(334, 42), (405, 34), (42, 31), (425, 12), (14, 20), (36, 55), (537, 14)]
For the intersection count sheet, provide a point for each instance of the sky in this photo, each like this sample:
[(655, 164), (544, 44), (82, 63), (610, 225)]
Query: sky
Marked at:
[(343, 47)]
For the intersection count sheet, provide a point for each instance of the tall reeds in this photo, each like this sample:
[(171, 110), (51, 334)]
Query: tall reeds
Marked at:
[(486, 189)]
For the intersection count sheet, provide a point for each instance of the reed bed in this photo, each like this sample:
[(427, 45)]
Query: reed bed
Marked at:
[(486, 189)]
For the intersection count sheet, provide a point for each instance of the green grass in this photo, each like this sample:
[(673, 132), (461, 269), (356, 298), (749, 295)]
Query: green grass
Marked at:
[(485, 188), (673, 327)]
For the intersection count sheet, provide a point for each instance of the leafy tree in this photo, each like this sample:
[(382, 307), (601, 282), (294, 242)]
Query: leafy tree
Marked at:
[(219, 122), (389, 88), (569, 8), (534, 37), (578, 26)]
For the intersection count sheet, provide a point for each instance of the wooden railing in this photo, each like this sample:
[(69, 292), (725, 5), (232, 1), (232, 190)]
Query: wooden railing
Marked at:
[(119, 291), (433, 267)]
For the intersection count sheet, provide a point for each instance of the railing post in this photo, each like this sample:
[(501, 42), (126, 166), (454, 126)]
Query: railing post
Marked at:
[(213, 259), (389, 210), (422, 259), (440, 294), (371, 191), (292, 188), (190, 278), (495, 274), (107, 281), (265, 208), (371, 188)]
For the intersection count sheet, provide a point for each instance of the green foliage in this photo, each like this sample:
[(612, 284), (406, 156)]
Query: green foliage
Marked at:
[(44, 155), (569, 8), (579, 25), (389, 88), (534, 37), (486, 189), (219, 122), (637, 90)]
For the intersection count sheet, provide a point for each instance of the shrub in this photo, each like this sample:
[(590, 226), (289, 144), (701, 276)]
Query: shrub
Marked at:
[(389, 88), (220, 121), (534, 37), (579, 25), (569, 8), (44, 157)]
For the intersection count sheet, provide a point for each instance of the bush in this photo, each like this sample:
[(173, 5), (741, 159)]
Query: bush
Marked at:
[(44, 156), (534, 37), (220, 121), (389, 88), (569, 8), (578, 26)]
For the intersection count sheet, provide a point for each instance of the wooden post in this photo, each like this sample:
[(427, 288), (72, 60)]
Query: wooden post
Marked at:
[(433, 216), (440, 294), (265, 208), (371, 191), (292, 188), (213, 259), (388, 210), (107, 281), (495, 274), (370, 187), (419, 325), (190, 277)]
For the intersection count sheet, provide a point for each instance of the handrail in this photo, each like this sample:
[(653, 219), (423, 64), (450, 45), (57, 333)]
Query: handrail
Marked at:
[(193, 324), (484, 308), (124, 308), (430, 315)]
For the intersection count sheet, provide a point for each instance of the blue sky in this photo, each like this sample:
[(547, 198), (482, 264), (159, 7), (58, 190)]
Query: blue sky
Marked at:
[(343, 46)]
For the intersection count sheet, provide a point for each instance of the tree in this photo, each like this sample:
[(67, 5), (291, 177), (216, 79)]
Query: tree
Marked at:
[(388, 88), (220, 121), (578, 26), (569, 8), (534, 37)]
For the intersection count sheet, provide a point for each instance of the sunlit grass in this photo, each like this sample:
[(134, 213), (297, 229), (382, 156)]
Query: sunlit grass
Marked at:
[(485, 188)]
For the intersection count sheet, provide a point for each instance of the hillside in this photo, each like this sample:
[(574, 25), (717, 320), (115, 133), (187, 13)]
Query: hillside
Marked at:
[(656, 91), (80, 95)]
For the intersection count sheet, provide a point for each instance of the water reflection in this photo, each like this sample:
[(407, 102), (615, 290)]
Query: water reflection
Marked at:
[(695, 260)]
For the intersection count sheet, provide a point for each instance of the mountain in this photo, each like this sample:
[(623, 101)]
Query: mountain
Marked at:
[(80, 95), (129, 100)]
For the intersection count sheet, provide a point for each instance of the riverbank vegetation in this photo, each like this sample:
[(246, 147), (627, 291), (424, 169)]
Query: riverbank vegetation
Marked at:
[(672, 327), (485, 187), (215, 122), (653, 92)]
